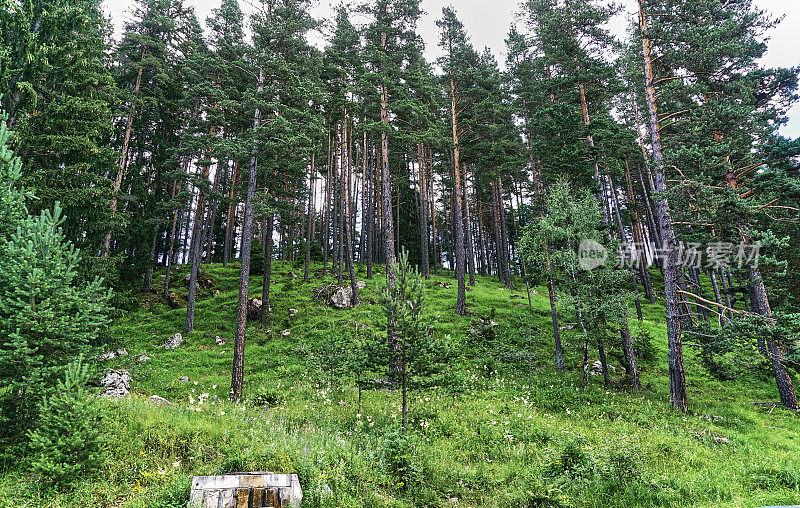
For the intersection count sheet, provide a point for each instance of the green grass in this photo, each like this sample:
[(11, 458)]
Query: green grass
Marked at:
[(488, 438)]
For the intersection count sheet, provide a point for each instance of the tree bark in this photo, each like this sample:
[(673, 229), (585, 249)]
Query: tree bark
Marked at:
[(267, 281), (347, 209), (677, 377), (760, 304), (237, 372), (123, 159), (551, 291), (194, 253), (458, 199), (423, 213), (469, 248), (386, 183), (630, 356), (230, 230), (310, 217)]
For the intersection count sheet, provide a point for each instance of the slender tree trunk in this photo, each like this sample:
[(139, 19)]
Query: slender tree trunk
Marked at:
[(369, 216), (760, 304), (123, 159), (677, 377), (340, 202), (601, 350), (267, 280), (172, 235), (437, 252), (469, 245), (210, 223), (551, 291), (194, 253), (423, 213), (230, 230), (386, 183), (638, 238), (458, 200), (148, 275), (630, 356), (348, 212), (310, 217), (237, 372), (717, 297)]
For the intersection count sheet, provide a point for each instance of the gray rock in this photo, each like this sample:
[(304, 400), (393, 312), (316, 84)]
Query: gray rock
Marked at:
[(596, 368), (108, 355), (339, 297), (219, 341), (122, 352), (159, 401), (116, 384), (143, 358), (286, 333), (173, 342), (293, 312), (203, 280), (184, 379), (173, 300), (188, 277), (254, 309)]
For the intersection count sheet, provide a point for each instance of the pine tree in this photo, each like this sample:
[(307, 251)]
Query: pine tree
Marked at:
[(48, 315), (60, 94), (283, 133), (458, 63)]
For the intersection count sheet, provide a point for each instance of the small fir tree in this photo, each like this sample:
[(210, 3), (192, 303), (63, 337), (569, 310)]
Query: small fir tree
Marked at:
[(48, 315)]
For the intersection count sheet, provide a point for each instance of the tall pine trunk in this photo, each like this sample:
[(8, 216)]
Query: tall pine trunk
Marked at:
[(677, 377), (386, 183), (348, 212), (310, 217), (230, 229), (269, 227), (423, 213), (123, 159), (237, 372), (194, 253), (458, 200)]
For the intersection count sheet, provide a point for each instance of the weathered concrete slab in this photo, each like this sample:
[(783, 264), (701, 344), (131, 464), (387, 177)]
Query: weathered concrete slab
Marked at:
[(237, 490)]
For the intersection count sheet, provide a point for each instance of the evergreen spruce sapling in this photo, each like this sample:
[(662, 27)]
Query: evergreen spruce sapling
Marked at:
[(418, 353), (68, 443), (48, 315)]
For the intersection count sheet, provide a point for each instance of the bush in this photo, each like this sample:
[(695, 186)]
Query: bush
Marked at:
[(68, 443), (49, 315), (399, 460)]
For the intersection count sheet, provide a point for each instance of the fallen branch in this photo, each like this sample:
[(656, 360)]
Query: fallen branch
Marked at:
[(724, 307)]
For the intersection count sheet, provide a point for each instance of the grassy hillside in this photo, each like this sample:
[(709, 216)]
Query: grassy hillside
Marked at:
[(504, 429)]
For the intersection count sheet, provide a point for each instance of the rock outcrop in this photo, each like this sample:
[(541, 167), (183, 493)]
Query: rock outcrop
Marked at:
[(339, 297), (173, 342), (116, 384)]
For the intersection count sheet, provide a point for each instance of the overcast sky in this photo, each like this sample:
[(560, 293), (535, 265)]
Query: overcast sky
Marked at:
[(488, 21)]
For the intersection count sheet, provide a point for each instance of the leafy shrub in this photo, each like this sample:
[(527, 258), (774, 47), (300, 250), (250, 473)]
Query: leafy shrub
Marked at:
[(265, 396), (68, 443), (572, 461), (399, 460)]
